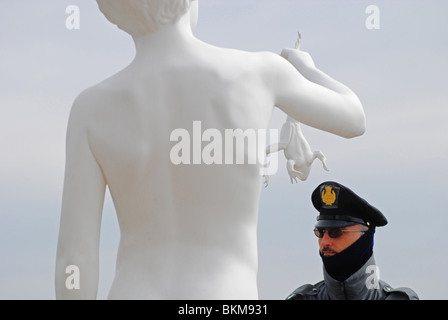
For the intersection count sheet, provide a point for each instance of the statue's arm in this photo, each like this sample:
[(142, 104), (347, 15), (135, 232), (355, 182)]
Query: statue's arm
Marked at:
[(313, 98), (82, 205)]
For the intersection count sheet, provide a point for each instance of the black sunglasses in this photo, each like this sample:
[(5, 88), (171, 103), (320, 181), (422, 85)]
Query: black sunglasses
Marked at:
[(332, 232)]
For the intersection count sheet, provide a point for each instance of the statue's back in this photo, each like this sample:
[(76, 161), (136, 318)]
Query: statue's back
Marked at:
[(188, 229)]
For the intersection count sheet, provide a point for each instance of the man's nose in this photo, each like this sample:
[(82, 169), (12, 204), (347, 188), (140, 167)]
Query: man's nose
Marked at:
[(326, 240)]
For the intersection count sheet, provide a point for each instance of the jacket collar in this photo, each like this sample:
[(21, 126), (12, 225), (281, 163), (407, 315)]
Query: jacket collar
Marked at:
[(357, 287)]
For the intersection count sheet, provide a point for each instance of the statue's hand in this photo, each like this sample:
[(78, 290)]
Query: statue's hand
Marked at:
[(298, 58)]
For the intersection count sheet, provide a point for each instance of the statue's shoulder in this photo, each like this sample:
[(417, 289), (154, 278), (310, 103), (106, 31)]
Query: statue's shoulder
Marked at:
[(250, 59), (104, 93)]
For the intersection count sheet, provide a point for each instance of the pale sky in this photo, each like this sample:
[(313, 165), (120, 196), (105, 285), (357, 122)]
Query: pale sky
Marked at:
[(398, 71)]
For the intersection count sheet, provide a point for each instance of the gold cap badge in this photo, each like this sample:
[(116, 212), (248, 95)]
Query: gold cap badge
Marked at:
[(329, 196)]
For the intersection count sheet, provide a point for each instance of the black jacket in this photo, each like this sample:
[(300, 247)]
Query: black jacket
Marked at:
[(364, 284)]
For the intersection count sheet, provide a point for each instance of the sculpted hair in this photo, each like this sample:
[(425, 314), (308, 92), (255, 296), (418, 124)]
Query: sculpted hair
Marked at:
[(139, 17)]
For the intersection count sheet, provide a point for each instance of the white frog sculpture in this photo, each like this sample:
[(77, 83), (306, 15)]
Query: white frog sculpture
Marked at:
[(297, 151)]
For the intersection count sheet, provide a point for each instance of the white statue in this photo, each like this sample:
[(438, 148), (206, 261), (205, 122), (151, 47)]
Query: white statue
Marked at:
[(186, 231)]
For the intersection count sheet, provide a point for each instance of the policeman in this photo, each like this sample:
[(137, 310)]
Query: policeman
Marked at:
[(345, 228)]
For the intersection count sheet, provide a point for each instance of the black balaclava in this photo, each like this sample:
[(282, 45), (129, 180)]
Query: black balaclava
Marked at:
[(345, 263)]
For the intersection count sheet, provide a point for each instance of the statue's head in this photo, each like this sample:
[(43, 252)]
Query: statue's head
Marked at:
[(140, 17)]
